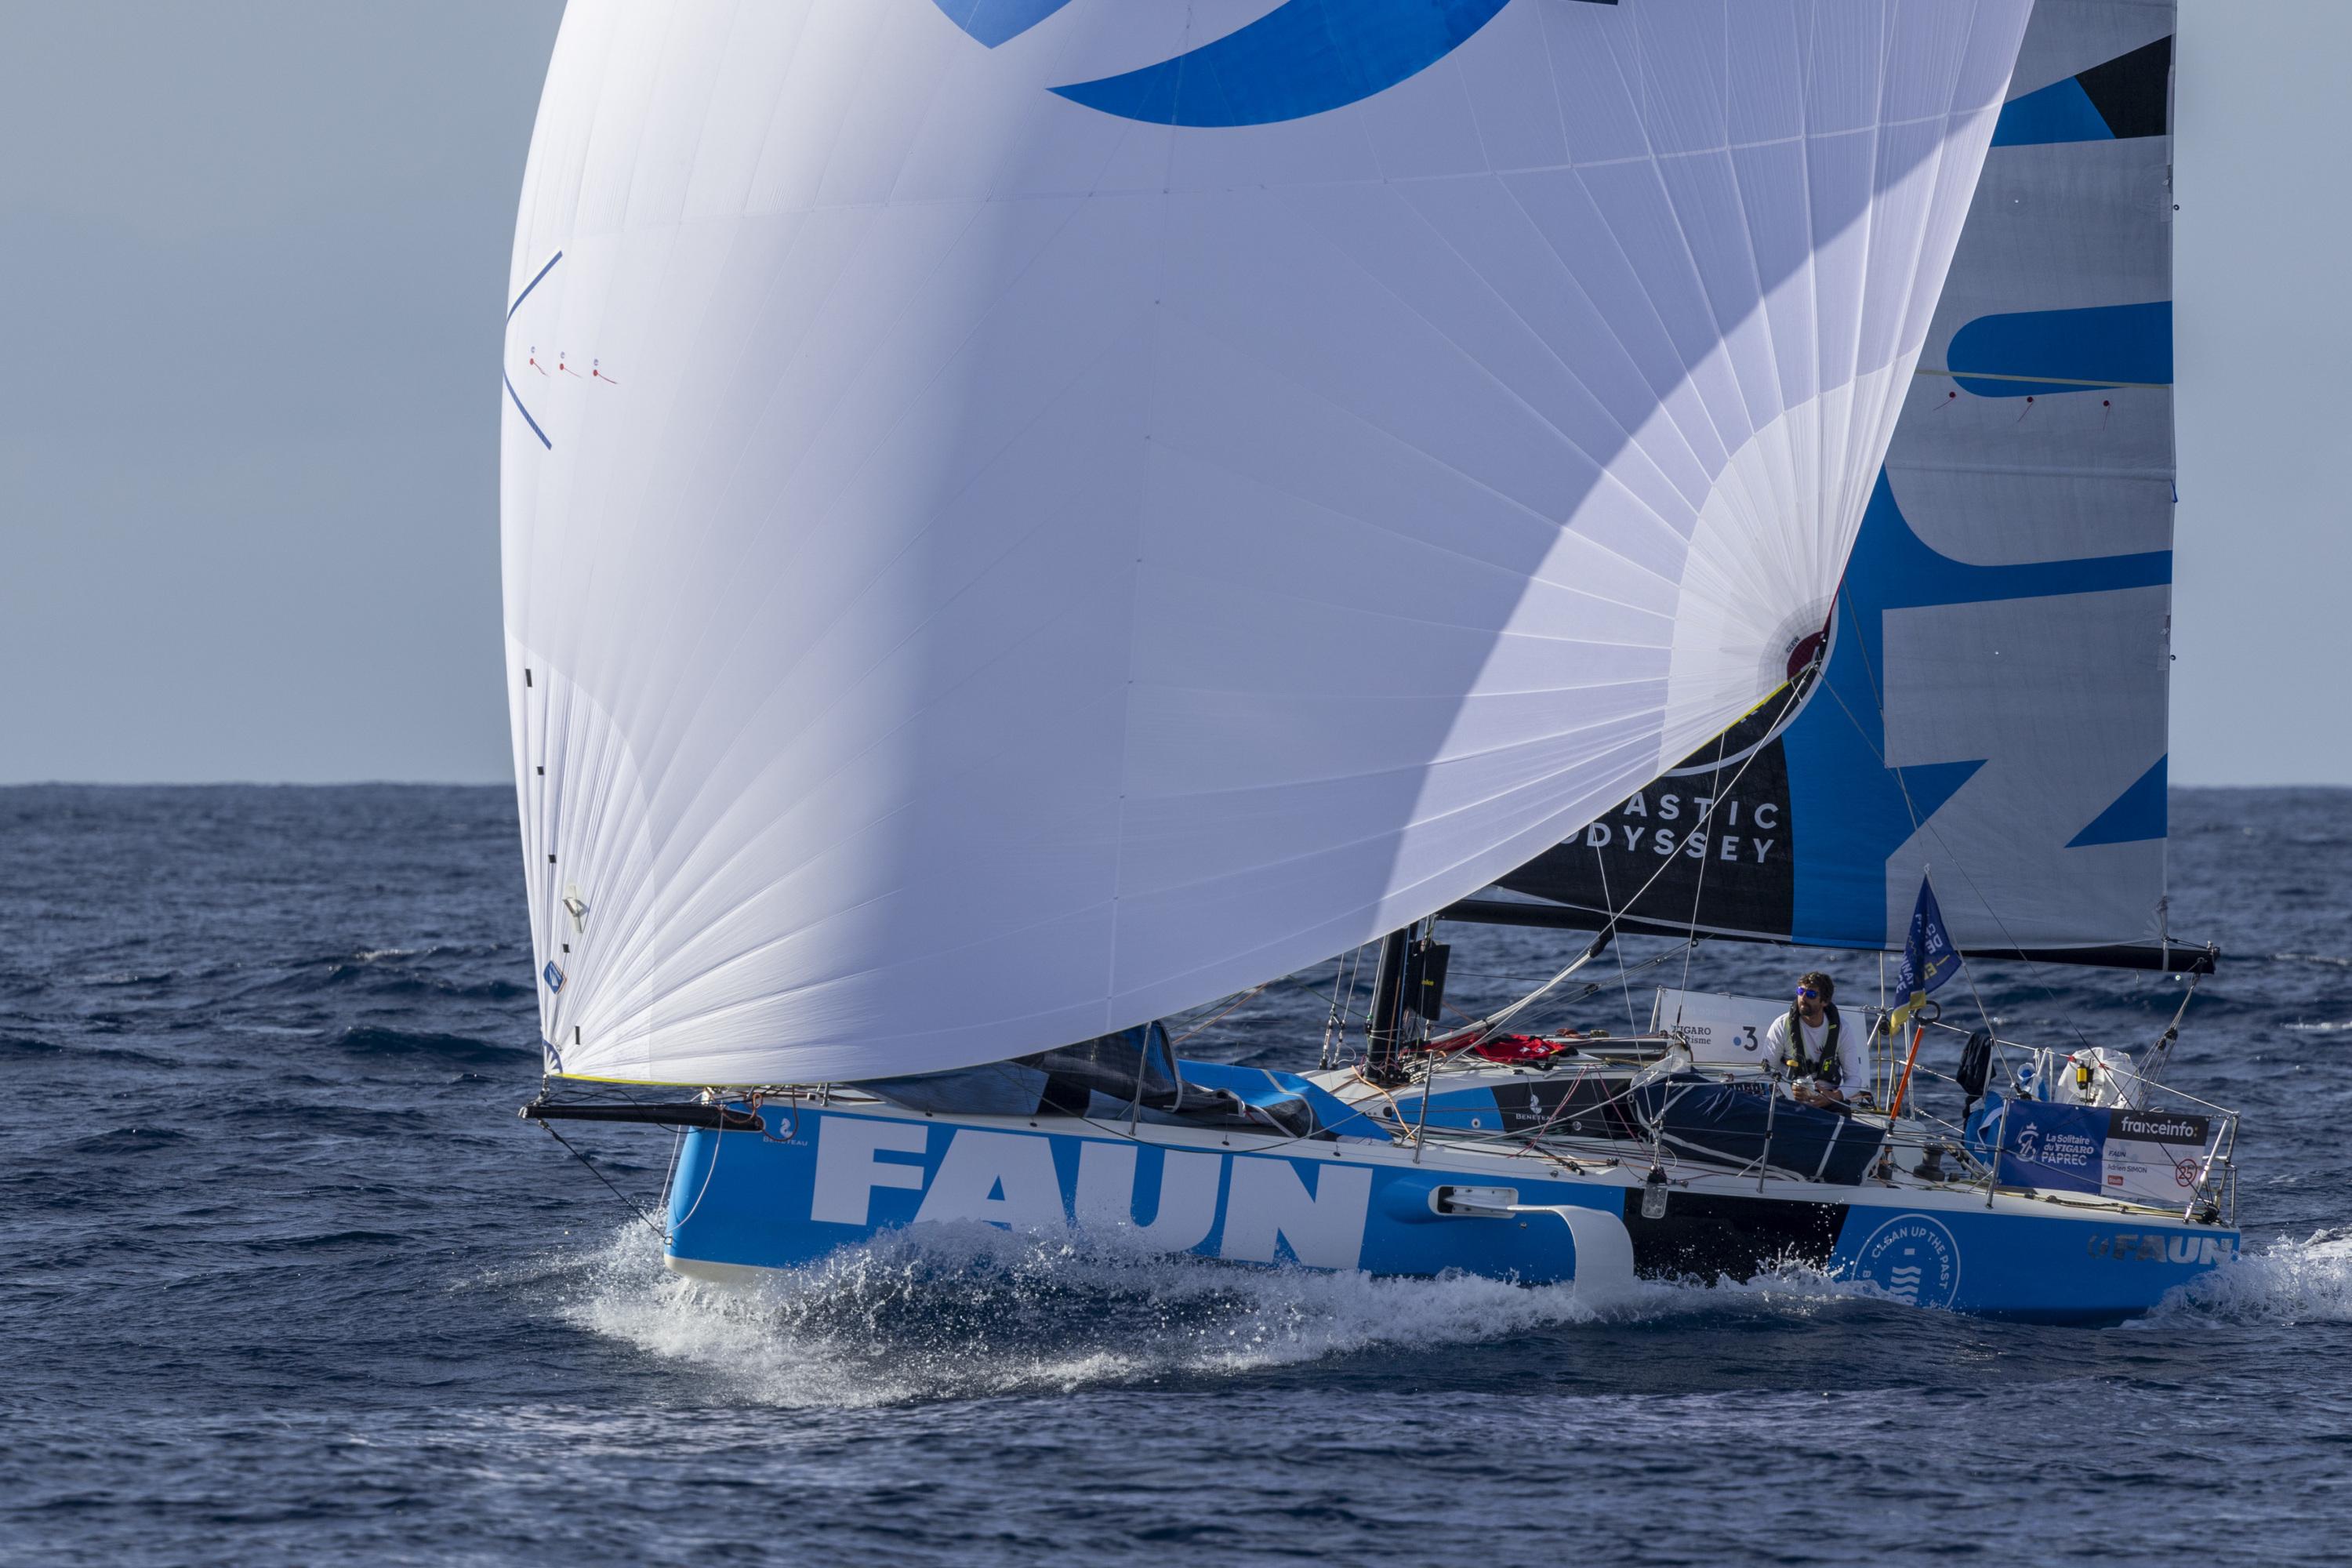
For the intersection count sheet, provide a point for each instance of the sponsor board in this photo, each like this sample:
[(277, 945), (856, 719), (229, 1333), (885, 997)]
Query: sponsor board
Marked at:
[(1728, 1030), (2139, 1156), (2154, 1157)]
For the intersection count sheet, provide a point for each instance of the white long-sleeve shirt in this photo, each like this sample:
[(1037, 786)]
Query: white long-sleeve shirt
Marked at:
[(1853, 1061)]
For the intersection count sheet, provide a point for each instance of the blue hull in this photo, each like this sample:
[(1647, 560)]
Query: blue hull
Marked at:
[(821, 1180)]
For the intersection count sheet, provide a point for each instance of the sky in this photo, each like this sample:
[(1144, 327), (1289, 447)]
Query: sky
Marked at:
[(252, 259)]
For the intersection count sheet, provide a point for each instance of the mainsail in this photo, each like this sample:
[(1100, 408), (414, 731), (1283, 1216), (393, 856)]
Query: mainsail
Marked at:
[(1994, 701), (1023, 517)]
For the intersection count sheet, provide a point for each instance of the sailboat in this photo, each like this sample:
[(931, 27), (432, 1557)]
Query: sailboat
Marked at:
[(1077, 510)]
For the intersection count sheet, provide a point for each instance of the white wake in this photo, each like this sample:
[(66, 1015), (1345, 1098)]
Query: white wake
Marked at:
[(2280, 1281), (966, 1312)]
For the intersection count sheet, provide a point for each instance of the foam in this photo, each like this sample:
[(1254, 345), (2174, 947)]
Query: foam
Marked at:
[(2286, 1282), (969, 1310)]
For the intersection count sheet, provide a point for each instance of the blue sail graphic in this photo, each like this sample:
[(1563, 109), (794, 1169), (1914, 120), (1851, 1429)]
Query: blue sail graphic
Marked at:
[(2023, 353), (994, 22), (1303, 57)]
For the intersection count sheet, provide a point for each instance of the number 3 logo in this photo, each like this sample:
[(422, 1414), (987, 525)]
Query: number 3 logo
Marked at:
[(1750, 1030)]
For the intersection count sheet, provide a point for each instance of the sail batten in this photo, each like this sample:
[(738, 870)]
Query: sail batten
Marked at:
[(1007, 548)]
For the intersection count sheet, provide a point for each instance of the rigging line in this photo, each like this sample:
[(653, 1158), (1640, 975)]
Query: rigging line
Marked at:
[(2158, 1056), (632, 1203), (1129, 1135), (1870, 675), (1984, 1014), (2041, 975), (1499, 974), (2038, 973), (1343, 1002), (1698, 889), (1206, 1022), (1320, 996), (711, 1169), (1381, 1089), (1331, 1022), (1496, 1020), (676, 1145), (1623, 980), (1591, 989), (1193, 1014), (1600, 861)]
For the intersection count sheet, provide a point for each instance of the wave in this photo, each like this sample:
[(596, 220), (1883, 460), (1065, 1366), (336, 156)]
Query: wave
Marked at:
[(397, 985), (387, 981), (2287, 1282), (969, 1312), (455, 1050), (2315, 1028), (326, 1239), (131, 977), (127, 1141)]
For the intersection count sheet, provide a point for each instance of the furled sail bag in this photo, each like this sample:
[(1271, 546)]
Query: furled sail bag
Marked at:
[(1721, 1124), (1022, 517)]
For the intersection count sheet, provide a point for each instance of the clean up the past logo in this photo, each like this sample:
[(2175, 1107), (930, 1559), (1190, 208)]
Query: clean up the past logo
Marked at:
[(1914, 1258)]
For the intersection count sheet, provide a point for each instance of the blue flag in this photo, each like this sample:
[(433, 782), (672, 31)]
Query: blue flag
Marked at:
[(1930, 959)]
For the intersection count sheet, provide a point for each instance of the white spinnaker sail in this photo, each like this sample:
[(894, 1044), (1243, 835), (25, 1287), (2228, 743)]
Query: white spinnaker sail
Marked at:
[(1024, 517)]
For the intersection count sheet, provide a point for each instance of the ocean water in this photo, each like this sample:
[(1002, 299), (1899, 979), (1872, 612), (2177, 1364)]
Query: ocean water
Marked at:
[(287, 1282)]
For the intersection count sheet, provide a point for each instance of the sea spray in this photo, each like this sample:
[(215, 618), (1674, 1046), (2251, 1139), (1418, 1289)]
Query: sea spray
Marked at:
[(967, 1311), (2281, 1281)]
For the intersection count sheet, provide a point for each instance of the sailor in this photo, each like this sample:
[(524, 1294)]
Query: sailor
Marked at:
[(1810, 1046)]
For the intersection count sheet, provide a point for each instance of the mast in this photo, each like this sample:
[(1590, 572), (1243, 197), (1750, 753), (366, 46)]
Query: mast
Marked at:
[(1408, 990), (1381, 1036)]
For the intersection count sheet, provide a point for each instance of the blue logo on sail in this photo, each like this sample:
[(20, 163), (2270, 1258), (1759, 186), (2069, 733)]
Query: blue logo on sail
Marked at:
[(1303, 57)]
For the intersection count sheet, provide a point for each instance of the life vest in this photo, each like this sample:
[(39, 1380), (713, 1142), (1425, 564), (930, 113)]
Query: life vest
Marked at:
[(1828, 1070)]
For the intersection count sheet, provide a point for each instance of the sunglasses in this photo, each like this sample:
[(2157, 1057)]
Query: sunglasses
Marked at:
[(1806, 991)]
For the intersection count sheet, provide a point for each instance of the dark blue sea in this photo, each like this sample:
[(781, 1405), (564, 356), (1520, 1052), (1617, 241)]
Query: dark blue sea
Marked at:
[(286, 1281)]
